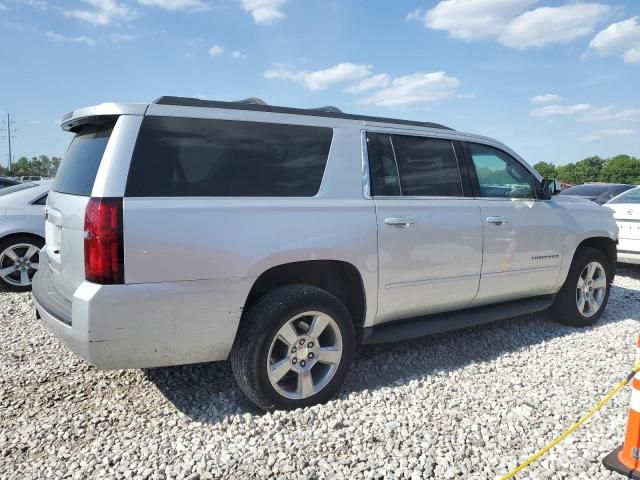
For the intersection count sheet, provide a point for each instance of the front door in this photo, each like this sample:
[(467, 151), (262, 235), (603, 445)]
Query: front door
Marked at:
[(523, 235), (429, 233)]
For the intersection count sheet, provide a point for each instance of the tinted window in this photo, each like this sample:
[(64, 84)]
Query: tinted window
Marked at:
[(427, 166), (221, 158), (383, 172), (80, 164), (500, 175), (630, 196), (586, 190), (40, 201)]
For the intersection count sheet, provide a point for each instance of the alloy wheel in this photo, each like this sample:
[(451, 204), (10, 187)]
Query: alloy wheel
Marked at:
[(19, 263), (304, 355), (591, 289)]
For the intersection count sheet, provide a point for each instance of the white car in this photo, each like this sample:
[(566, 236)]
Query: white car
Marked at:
[(21, 233), (626, 211)]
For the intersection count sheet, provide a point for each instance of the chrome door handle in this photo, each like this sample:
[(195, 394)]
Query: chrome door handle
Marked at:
[(498, 220), (402, 222)]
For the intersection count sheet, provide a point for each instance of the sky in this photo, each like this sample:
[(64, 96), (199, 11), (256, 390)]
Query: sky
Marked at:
[(556, 80)]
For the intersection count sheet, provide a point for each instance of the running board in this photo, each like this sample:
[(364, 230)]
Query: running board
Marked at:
[(396, 331)]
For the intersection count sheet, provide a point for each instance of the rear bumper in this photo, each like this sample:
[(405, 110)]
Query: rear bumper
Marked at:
[(147, 325)]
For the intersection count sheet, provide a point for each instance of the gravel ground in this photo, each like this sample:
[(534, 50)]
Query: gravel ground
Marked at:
[(468, 404)]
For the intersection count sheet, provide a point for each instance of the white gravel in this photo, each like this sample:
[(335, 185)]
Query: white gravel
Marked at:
[(468, 404)]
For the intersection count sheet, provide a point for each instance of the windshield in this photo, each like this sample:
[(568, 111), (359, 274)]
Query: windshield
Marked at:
[(17, 188), (630, 196)]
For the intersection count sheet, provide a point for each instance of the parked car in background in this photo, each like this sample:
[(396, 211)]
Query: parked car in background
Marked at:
[(21, 233), (187, 231), (626, 211), (599, 193), (7, 182), (31, 178)]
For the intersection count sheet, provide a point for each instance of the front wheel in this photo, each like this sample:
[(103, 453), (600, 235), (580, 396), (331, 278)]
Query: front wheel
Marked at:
[(585, 294), (294, 348)]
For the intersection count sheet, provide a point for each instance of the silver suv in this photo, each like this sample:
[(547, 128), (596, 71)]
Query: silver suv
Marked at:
[(187, 231)]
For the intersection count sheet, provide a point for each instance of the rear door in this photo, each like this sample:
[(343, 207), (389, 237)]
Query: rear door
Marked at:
[(71, 190), (429, 233), (523, 235)]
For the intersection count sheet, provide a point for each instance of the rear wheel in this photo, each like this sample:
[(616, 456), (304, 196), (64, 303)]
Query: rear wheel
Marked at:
[(19, 261), (294, 348), (585, 294)]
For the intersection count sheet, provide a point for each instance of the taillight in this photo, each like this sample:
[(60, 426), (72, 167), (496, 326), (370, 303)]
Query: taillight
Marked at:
[(103, 242)]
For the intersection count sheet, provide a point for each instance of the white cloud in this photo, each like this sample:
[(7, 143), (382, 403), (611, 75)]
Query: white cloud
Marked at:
[(560, 110), (238, 55), (321, 79), (414, 88), (176, 4), (607, 114), (369, 83), (3, 7), (264, 11), (545, 25), (415, 15), (216, 50), (600, 134), (64, 38), (105, 12), (619, 39), (474, 19), (121, 37), (548, 98), (508, 22)]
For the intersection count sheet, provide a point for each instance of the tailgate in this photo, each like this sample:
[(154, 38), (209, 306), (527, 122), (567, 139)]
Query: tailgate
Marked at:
[(68, 198), (64, 233)]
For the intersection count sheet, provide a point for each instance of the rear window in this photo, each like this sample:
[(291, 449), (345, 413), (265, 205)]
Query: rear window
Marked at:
[(80, 164), (586, 190), (630, 196), (17, 188), (222, 158)]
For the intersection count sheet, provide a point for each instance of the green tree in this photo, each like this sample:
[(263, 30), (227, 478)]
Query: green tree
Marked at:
[(621, 169), (546, 169), (588, 169), (567, 173)]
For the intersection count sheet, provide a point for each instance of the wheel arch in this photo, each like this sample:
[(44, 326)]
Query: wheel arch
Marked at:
[(21, 234), (341, 279), (605, 245)]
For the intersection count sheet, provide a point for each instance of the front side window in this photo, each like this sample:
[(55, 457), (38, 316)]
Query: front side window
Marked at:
[(427, 166), (500, 175), (222, 158)]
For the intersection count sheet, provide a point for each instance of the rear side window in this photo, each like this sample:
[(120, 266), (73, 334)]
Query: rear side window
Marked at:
[(79, 167), (383, 171), (427, 166), (223, 158)]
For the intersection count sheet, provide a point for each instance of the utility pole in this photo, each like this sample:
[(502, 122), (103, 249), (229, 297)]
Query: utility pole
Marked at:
[(9, 138), (10, 134)]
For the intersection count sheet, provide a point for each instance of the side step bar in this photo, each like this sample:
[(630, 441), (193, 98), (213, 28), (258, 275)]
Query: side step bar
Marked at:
[(442, 322)]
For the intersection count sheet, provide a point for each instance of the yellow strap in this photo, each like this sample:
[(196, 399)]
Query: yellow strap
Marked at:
[(573, 427)]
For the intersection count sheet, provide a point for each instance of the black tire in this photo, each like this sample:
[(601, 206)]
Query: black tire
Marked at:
[(37, 242), (564, 308), (258, 328)]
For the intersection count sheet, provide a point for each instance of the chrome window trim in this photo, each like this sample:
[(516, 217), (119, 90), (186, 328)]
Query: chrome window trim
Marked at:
[(366, 171)]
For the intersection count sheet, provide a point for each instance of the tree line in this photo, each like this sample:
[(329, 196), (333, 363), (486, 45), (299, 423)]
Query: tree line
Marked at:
[(618, 169), (42, 166)]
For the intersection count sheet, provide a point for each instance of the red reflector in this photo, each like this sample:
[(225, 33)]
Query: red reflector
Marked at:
[(103, 243)]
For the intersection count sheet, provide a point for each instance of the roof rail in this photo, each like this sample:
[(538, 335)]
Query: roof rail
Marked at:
[(256, 104)]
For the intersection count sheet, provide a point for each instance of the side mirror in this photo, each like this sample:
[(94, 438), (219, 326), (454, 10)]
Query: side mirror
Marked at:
[(550, 187)]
